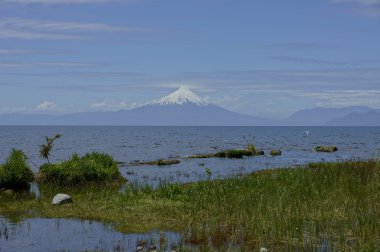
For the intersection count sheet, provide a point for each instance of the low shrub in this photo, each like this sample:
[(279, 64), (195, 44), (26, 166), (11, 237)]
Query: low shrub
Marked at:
[(15, 173), (93, 167)]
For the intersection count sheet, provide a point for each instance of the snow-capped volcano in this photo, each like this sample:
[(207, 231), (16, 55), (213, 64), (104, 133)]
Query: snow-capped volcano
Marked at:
[(182, 96), (181, 108)]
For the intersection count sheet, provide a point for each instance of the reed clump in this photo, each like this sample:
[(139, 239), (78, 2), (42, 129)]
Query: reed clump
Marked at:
[(92, 167), (16, 174)]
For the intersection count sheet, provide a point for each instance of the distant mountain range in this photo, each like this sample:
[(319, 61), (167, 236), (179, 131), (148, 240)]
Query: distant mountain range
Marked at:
[(185, 108), (348, 116), (181, 108)]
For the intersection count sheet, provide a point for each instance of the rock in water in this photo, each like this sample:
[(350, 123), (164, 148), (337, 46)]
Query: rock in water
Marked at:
[(259, 152), (275, 152), (326, 148), (61, 199)]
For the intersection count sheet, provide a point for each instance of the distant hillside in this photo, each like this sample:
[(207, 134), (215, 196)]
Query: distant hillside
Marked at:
[(323, 116), (183, 107), (371, 118)]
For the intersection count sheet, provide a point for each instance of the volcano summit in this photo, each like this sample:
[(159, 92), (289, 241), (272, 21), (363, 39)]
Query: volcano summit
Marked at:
[(180, 108)]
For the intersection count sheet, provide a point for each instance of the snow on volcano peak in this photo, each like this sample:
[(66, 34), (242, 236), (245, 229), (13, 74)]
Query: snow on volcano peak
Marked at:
[(182, 96)]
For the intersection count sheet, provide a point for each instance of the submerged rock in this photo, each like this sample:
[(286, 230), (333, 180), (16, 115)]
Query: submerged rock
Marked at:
[(61, 199), (326, 148), (259, 152), (211, 155), (234, 153), (167, 162), (275, 152), (157, 162)]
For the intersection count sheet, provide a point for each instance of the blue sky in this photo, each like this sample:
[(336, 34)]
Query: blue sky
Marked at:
[(266, 58)]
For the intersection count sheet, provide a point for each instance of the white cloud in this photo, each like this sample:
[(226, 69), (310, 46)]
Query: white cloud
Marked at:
[(369, 8), (51, 2), (46, 106), (19, 28), (364, 2), (46, 25), (108, 105), (45, 64), (25, 35), (7, 51)]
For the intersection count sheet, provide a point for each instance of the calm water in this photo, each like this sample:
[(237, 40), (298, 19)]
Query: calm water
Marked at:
[(128, 144), (40, 235)]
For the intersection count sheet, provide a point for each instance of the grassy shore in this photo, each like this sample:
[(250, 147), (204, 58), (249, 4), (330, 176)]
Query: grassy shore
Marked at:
[(334, 205)]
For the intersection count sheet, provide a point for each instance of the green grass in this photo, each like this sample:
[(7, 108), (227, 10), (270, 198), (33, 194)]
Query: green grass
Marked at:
[(282, 209), (295, 208), (15, 173), (93, 167)]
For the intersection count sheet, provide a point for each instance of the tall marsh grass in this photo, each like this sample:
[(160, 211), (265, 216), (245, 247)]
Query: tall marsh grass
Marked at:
[(93, 167), (16, 173), (324, 205)]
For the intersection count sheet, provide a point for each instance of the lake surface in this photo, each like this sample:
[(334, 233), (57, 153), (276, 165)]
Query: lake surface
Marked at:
[(37, 235), (128, 144)]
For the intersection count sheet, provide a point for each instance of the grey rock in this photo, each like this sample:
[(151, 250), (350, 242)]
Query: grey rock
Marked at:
[(259, 152), (326, 148), (275, 152), (61, 199), (263, 250), (139, 248)]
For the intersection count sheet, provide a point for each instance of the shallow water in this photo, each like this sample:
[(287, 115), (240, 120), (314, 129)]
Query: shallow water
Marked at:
[(39, 235), (128, 144)]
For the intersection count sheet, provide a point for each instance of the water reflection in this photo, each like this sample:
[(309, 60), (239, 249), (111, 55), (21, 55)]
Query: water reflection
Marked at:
[(41, 235)]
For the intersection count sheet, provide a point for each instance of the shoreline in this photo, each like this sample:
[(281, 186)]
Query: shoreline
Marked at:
[(273, 206)]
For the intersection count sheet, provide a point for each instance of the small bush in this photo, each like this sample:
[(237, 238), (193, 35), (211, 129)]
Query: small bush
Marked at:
[(15, 173), (93, 167)]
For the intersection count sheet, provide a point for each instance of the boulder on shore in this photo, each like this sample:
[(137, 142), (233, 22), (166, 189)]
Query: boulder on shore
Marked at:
[(326, 148), (61, 199), (9, 192)]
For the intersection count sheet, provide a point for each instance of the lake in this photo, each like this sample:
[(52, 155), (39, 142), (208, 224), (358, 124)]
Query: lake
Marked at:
[(39, 234), (128, 144)]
